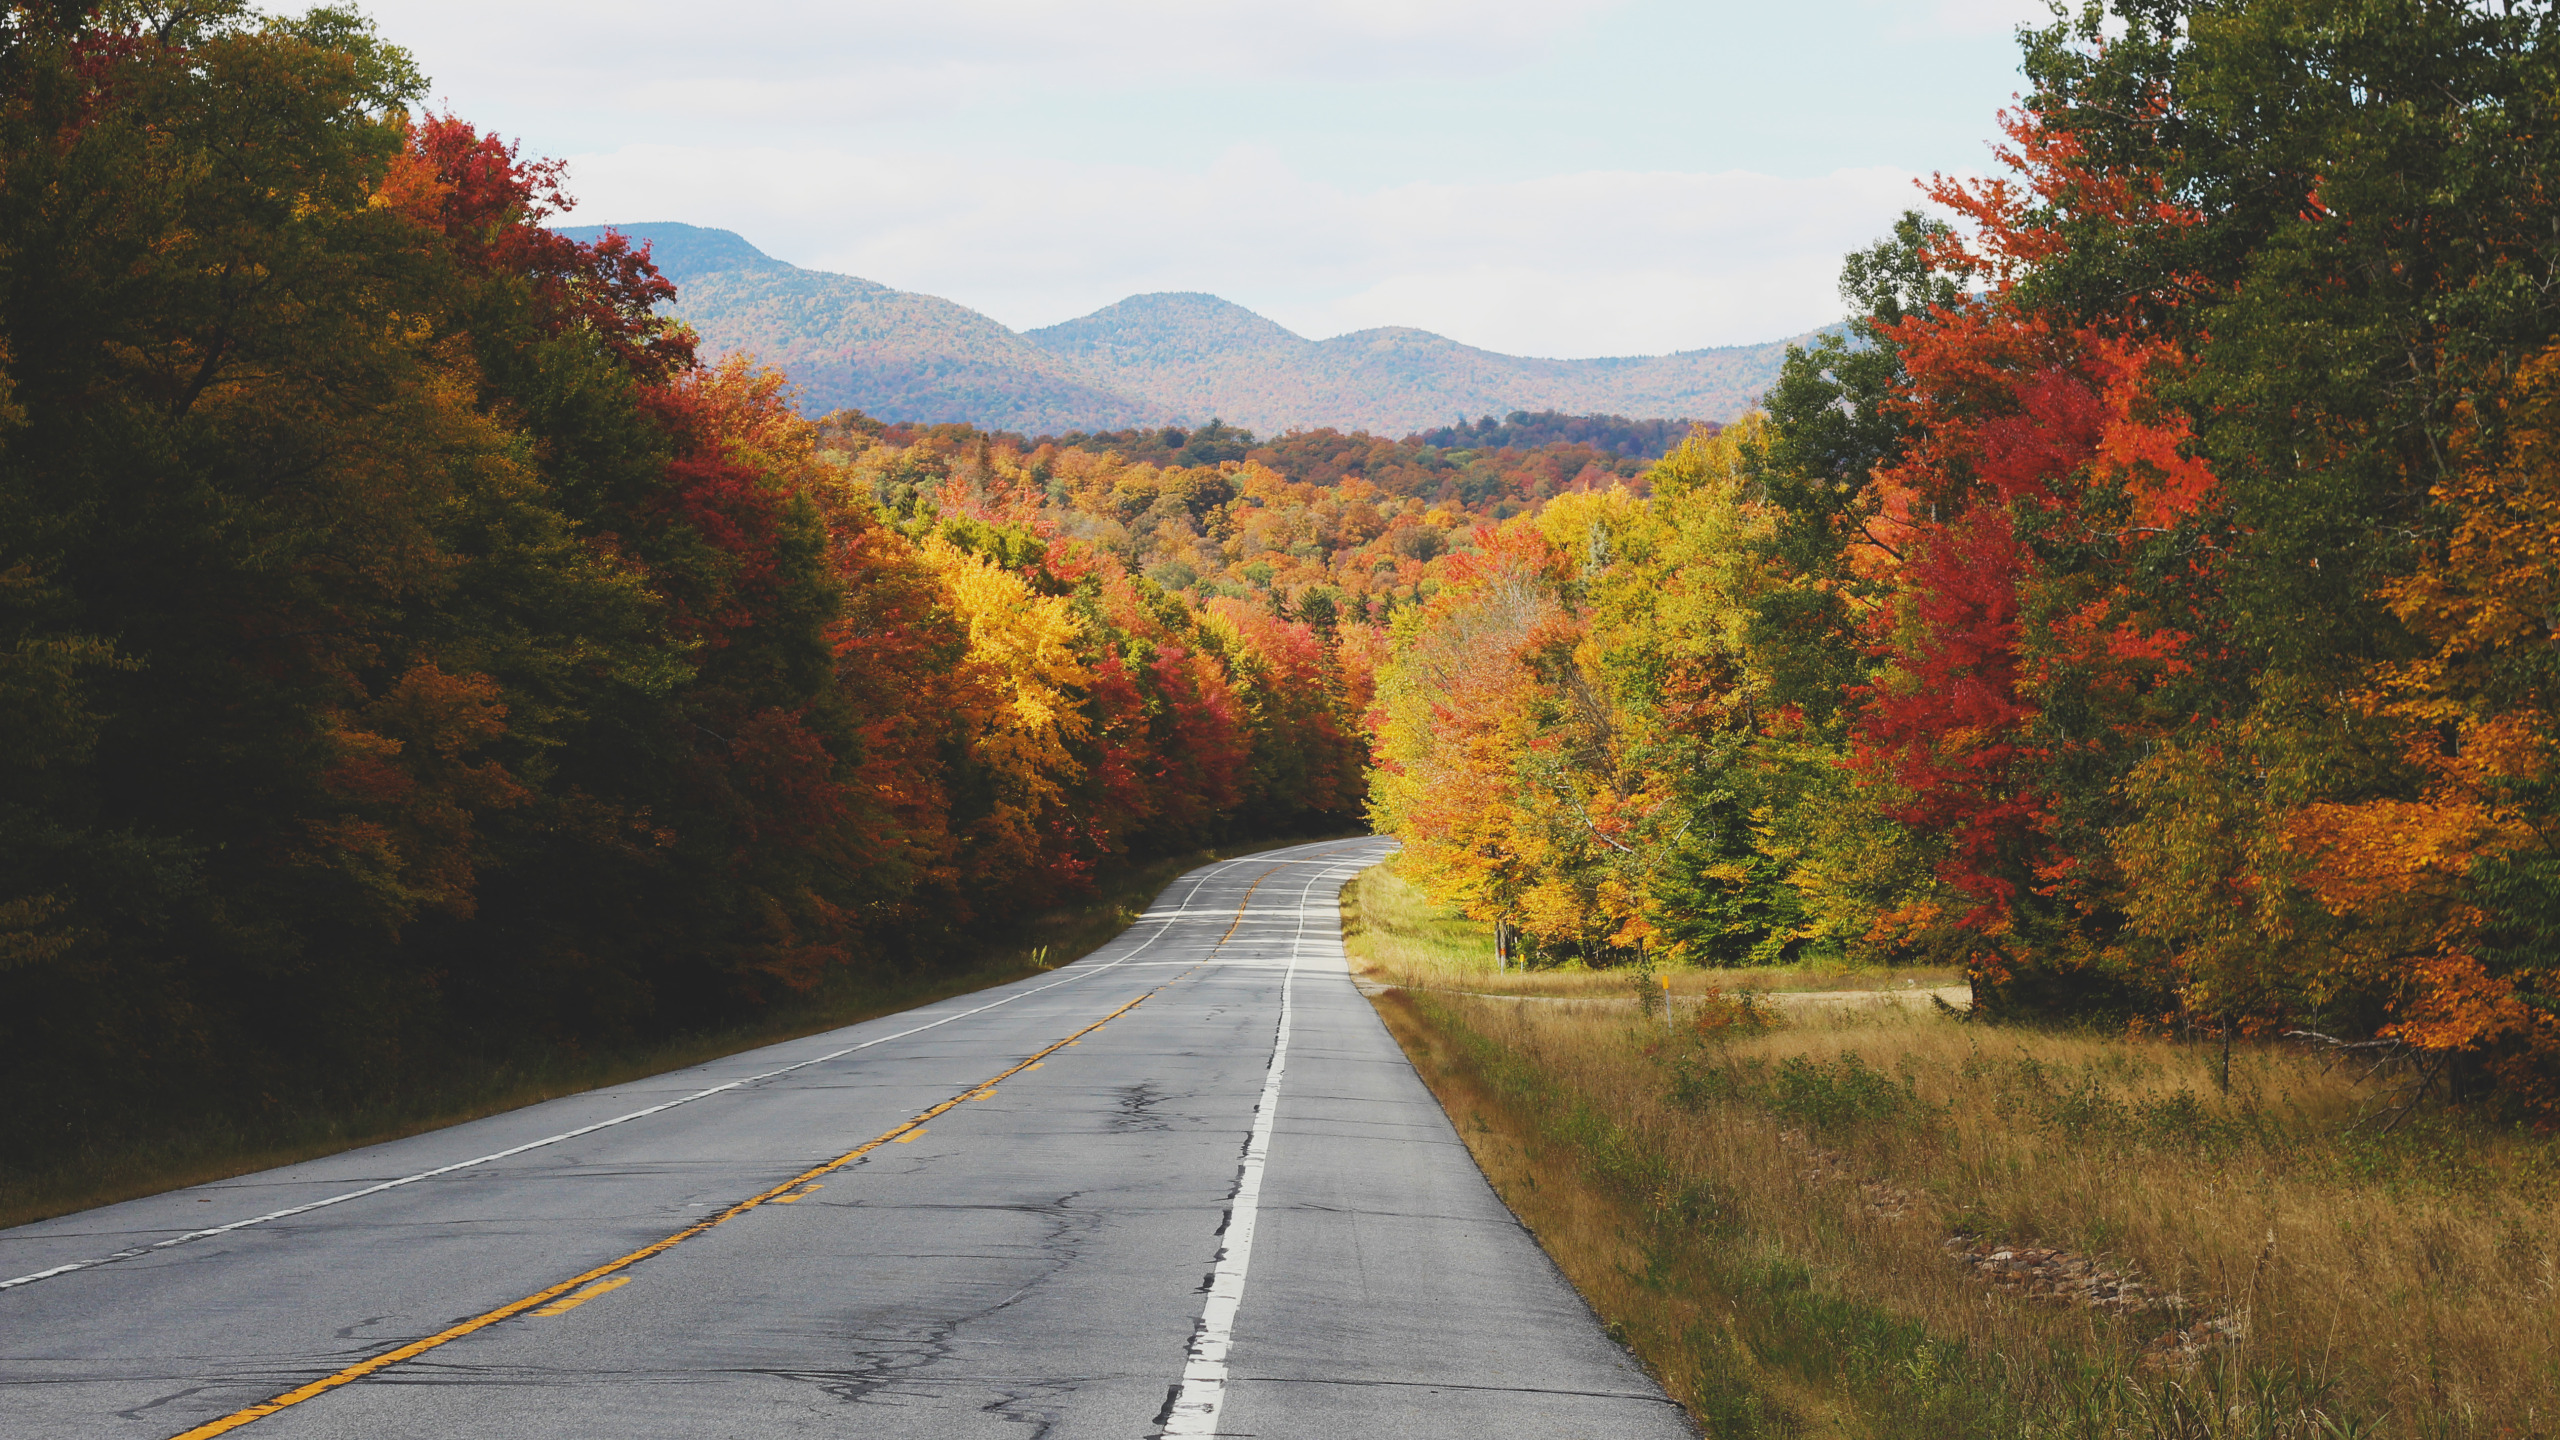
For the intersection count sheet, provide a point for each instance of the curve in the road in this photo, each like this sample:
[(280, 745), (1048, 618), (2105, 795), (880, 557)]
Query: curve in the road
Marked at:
[(1063, 1252), (581, 1284), (138, 1251)]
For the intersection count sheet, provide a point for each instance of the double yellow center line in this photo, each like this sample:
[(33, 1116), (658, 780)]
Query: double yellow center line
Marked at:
[(571, 1293)]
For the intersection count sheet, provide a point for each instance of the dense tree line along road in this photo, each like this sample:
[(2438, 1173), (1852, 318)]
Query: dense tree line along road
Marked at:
[(1187, 1186)]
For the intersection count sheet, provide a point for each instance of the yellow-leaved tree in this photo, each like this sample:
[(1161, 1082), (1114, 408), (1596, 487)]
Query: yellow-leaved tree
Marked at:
[(2450, 880), (1016, 710)]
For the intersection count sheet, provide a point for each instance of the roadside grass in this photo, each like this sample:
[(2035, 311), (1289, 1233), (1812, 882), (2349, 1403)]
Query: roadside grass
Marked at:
[(1793, 1217), (141, 1157), (1433, 949)]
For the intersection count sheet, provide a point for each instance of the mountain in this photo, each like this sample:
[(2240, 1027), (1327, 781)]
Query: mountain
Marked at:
[(1205, 356), (892, 353), (1148, 359), (1201, 356)]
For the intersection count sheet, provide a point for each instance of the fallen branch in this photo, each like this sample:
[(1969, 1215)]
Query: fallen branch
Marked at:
[(2335, 1043), (2385, 1052)]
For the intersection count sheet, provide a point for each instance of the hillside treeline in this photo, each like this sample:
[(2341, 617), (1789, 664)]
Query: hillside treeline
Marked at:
[(1317, 527), (1503, 477), (405, 645), (2156, 609), (1527, 430), (1501, 471)]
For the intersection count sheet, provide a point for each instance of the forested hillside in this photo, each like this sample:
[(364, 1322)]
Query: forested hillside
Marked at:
[(1329, 530), (1200, 356), (848, 342), (1147, 360), (408, 650), (1650, 439), (2153, 613)]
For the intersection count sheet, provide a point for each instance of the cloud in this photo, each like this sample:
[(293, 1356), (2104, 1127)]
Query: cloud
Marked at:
[(826, 61), (1602, 262), (1570, 177)]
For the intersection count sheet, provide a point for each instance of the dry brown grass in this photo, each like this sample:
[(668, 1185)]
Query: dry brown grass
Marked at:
[(1798, 1187)]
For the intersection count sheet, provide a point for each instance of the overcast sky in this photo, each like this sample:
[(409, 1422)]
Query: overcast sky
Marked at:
[(1544, 177)]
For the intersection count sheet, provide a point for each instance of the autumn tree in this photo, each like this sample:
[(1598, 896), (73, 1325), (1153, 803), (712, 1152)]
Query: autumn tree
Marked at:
[(410, 657)]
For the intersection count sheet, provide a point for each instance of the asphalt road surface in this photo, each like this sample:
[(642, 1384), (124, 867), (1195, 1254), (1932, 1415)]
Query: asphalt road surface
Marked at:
[(1187, 1186)]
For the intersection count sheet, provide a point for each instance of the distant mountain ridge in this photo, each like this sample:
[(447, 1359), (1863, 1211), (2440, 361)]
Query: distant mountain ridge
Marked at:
[(1149, 359), (853, 342), (1207, 356)]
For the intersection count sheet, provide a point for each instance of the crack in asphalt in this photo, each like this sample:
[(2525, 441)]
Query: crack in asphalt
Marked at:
[(845, 1337), (348, 1332), (884, 1364), (138, 1411), (1011, 1407), (1137, 1108)]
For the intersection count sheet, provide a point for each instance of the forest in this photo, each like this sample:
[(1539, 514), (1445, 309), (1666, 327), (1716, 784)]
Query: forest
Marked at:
[(409, 647), (1317, 521), (2147, 607), (1649, 439), (408, 642)]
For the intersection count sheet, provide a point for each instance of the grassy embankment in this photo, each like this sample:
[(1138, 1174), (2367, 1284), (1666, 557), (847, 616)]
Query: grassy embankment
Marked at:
[(143, 1159), (1874, 1220)]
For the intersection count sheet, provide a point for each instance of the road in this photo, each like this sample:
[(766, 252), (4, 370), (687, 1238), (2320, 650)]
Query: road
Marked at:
[(1186, 1186)]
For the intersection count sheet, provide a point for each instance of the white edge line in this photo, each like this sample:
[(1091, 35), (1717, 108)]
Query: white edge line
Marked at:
[(1207, 874), (1193, 1408)]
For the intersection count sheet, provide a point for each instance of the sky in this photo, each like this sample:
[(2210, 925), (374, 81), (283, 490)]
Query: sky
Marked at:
[(1540, 177)]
